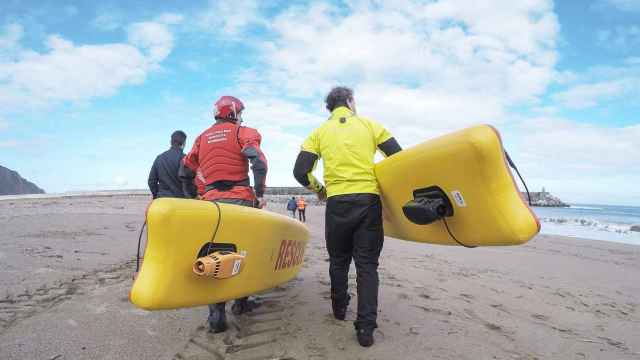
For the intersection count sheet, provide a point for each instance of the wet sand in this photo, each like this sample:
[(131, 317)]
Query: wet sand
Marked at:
[(66, 267)]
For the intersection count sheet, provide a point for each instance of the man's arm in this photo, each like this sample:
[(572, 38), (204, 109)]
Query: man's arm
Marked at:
[(306, 163), (385, 142), (303, 172), (250, 141), (187, 177), (188, 167), (153, 179)]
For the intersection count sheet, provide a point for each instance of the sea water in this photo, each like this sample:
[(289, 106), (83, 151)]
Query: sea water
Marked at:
[(589, 221)]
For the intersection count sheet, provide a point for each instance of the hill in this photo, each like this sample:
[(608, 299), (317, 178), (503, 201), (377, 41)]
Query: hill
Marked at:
[(11, 183)]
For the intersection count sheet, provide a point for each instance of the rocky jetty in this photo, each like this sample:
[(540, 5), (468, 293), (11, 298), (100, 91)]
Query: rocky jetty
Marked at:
[(545, 199), (283, 194), (287, 190), (11, 183)]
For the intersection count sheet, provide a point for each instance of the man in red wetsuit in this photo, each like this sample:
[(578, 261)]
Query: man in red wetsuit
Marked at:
[(222, 153)]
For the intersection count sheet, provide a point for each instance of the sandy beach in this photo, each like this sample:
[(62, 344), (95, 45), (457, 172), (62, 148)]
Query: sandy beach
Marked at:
[(66, 267)]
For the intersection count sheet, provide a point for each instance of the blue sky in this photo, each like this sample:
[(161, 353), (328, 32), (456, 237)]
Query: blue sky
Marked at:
[(89, 93)]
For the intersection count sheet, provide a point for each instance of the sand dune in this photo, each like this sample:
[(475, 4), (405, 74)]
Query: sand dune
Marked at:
[(66, 266)]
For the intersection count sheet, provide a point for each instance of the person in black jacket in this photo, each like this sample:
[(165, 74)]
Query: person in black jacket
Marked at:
[(163, 177)]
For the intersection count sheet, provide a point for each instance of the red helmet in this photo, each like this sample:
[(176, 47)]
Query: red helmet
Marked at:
[(228, 108)]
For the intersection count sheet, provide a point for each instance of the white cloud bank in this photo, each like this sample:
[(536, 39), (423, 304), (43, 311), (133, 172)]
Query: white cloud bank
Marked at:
[(583, 163), (425, 68), (422, 68), (67, 72), (602, 84), (229, 18)]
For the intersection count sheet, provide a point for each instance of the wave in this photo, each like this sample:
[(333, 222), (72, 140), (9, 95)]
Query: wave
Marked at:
[(584, 207), (590, 223)]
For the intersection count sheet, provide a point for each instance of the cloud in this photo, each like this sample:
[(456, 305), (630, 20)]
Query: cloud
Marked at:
[(67, 72), (571, 149), (70, 73), (590, 95), (600, 84), (107, 21), (120, 181), (154, 37), (278, 112), (281, 149), (10, 40), (3, 125), (420, 68), (625, 5), (580, 162), (169, 18), (444, 44), (229, 18)]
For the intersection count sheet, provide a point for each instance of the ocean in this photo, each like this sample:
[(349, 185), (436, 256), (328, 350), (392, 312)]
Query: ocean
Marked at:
[(591, 221)]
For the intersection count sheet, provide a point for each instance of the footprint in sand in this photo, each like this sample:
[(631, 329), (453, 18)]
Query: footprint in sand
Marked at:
[(540, 317), (500, 307)]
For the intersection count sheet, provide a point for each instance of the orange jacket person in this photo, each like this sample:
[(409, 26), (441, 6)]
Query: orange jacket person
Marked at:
[(301, 209), (222, 153)]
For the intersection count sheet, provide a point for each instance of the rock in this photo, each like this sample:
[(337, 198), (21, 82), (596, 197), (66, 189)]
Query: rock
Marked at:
[(11, 183), (635, 228), (544, 198)]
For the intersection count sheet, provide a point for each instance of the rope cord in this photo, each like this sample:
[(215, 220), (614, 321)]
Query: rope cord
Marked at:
[(215, 231), (513, 165), (139, 243), (444, 219)]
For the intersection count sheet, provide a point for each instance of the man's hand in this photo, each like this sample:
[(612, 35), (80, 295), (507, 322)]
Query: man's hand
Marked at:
[(261, 202), (322, 194)]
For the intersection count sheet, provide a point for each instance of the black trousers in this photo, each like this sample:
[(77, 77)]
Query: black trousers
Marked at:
[(353, 229), (302, 215)]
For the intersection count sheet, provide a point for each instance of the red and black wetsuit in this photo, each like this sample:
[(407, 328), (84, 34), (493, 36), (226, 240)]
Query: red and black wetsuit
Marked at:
[(222, 153)]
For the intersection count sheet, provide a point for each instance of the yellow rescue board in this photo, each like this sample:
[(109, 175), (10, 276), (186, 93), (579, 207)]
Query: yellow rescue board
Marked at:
[(471, 168), (273, 246)]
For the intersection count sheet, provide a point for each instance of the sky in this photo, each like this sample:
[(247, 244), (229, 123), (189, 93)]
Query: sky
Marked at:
[(91, 91)]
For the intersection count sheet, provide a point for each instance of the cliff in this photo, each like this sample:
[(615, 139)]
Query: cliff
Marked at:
[(544, 198), (11, 183)]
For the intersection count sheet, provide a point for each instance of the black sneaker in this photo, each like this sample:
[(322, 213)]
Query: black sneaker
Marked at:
[(218, 321), (365, 337), (340, 308), (244, 305)]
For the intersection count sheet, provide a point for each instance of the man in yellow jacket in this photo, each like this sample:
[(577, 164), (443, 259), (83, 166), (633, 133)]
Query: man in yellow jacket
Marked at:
[(347, 144)]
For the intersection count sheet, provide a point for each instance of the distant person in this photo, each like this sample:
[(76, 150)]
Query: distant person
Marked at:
[(347, 144), (222, 153), (163, 177), (292, 205), (301, 209)]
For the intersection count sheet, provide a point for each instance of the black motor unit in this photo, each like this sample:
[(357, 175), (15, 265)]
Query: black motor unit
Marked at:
[(428, 205)]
